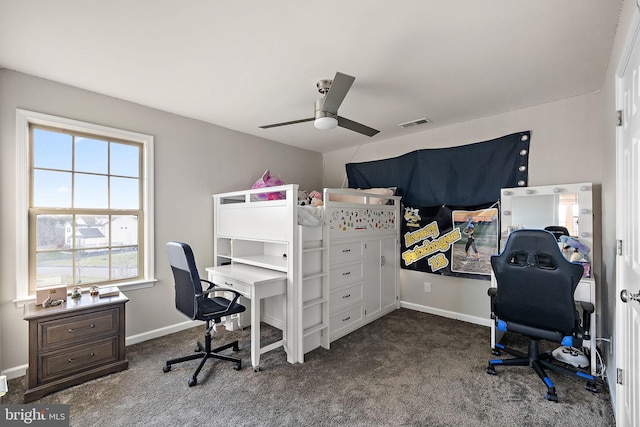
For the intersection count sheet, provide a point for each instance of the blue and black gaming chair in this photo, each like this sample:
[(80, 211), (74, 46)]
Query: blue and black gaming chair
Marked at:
[(534, 297)]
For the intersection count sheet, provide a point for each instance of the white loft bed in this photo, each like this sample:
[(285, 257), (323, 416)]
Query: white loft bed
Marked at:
[(251, 229)]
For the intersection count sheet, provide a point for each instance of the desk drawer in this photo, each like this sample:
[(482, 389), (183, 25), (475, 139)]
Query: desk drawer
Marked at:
[(345, 296), (344, 252), (57, 333), (226, 282), (77, 359), (339, 276)]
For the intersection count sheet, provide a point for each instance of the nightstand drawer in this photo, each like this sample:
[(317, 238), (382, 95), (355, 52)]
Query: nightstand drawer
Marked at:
[(77, 359), (56, 333)]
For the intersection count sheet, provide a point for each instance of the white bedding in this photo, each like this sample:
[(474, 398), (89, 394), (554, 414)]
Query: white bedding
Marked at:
[(310, 216)]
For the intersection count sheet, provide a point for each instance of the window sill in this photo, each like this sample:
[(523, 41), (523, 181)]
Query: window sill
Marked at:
[(123, 286)]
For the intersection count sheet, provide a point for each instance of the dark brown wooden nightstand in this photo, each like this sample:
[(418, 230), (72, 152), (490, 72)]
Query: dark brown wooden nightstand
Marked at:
[(74, 342)]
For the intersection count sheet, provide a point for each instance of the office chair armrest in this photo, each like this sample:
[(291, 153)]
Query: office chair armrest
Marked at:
[(217, 288)]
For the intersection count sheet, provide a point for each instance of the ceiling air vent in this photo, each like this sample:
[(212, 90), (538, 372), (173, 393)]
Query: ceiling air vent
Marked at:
[(416, 122)]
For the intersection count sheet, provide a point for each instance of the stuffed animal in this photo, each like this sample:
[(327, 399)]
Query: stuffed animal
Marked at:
[(268, 181), (303, 198), (315, 198)]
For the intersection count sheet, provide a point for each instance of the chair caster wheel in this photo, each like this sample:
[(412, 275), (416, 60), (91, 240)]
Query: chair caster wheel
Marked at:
[(193, 381), (491, 370), (551, 397), (238, 367), (496, 352), (166, 368), (592, 387), (256, 369)]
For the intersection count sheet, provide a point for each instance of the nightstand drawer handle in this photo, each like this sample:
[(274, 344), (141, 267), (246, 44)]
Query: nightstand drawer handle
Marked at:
[(346, 318), (90, 354), (347, 273), (71, 330), (344, 251), (346, 296)]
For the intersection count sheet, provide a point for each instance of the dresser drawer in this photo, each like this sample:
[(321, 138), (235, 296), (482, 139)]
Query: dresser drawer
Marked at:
[(344, 252), (346, 318), (77, 359), (345, 296), (343, 275), (56, 333)]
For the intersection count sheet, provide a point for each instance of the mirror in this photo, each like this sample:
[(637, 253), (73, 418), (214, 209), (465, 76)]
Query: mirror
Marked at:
[(560, 209), (566, 205)]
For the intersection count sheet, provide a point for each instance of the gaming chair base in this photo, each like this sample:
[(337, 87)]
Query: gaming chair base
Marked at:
[(539, 362)]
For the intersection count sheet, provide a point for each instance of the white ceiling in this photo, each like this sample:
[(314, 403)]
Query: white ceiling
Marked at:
[(243, 64)]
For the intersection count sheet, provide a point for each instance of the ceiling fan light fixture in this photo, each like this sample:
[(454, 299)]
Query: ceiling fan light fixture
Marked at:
[(325, 123)]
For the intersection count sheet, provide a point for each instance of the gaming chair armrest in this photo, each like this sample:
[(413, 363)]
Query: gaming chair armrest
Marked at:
[(492, 292), (587, 310)]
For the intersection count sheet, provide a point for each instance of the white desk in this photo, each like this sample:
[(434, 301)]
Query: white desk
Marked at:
[(254, 283), (585, 291)]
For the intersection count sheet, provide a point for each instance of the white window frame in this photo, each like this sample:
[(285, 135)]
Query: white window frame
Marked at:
[(24, 119)]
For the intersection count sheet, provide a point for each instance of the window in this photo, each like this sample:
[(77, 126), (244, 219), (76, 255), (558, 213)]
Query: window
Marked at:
[(84, 204)]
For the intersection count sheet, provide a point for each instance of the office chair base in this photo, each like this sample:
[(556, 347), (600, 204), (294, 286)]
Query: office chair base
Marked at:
[(204, 354)]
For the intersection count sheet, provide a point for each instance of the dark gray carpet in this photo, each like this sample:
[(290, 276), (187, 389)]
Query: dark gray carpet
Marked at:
[(406, 369)]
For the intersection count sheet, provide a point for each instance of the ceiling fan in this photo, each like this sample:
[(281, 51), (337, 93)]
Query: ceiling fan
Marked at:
[(326, 116)]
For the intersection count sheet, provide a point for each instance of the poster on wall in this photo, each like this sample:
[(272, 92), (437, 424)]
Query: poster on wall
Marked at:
[(451, 241)]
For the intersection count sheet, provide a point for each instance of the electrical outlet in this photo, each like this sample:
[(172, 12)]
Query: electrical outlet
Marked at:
[(427, 287)]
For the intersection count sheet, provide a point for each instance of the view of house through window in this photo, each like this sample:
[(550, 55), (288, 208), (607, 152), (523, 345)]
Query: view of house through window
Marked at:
[(85, 212)]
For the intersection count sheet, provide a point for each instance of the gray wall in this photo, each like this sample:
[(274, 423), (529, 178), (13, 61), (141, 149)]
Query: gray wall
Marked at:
[(193, 160), (564, 134)]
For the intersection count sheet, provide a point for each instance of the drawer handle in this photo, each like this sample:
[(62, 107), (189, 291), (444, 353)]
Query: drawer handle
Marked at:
[(346, 296), (344, 251), (347, 273), (71, 330), (90, 354), (346, 318), (228, 284)]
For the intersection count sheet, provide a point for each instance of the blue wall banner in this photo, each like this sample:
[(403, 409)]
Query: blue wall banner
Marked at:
[(452, 241)]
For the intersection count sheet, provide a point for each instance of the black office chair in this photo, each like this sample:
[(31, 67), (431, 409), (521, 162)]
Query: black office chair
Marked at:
[(197, 304), (534, 297)]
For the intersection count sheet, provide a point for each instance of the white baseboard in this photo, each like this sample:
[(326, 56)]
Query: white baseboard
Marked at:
[(15, 372), (160, 332), (21, 370), (446, 313)]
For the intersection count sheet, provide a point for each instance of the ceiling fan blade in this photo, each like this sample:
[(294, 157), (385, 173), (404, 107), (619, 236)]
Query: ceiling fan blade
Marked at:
[(287, 123), (338, 90), (356, 127)]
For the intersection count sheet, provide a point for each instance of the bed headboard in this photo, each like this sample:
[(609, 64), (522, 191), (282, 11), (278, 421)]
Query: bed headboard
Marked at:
[(353, 212), (242, 215)]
